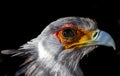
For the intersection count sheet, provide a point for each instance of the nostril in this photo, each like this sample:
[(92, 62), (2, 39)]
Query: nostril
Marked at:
[(95, 34)]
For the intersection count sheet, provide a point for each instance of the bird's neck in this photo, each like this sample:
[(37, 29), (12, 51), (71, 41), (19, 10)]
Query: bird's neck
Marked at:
[(64, 62), (63, 57), (57, 61)]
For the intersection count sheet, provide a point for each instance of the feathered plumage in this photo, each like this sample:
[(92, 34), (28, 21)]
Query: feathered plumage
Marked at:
[(56, 51)]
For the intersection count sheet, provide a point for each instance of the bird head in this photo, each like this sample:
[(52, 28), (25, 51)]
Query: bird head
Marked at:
[(62, 44), (68, 39)]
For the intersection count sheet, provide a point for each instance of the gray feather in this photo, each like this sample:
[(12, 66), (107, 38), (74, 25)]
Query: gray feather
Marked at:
[(45, 56)]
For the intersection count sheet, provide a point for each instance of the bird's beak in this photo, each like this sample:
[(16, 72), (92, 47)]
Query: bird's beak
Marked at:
[(101, 38)]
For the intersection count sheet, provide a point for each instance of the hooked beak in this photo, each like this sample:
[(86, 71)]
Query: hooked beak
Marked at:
[(103, 38)]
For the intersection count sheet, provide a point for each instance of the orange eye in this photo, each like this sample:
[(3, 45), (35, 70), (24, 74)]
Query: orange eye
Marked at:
[(69, 33)]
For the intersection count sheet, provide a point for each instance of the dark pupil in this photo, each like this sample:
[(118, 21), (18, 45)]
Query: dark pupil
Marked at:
[(69, 33)]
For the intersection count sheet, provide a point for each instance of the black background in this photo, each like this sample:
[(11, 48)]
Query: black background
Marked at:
[(23, 21)]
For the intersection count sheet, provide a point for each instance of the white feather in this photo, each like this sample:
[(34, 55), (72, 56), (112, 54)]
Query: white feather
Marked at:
[(43, 53)]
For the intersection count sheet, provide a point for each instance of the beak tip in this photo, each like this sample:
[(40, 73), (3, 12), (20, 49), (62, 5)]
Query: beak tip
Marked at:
[(113, 44), (114, 47)]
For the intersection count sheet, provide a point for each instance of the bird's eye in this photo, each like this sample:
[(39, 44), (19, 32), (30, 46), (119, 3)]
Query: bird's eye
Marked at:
[(69, 33), (95, 35)]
